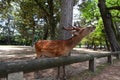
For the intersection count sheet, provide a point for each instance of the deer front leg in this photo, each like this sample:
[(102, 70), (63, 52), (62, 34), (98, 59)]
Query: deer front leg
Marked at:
[(64, 74), (58, 74), (36, 75)]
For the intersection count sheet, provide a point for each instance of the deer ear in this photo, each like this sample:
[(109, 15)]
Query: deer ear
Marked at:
[(76, 33), (81, 30)]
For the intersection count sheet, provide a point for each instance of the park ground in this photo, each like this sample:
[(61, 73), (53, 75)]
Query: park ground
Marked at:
[(77, 71)]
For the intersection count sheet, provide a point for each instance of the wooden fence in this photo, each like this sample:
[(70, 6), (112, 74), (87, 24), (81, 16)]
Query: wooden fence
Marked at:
[(14, 70)]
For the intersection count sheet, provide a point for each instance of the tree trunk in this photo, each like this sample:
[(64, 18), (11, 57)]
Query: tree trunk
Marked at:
[(45, 32), (49, 13), (66, 18), (65, 21), (107, 21), (33, 35), (51, 19), (9, 32), (33, 31), (107, 45), (117, 31)]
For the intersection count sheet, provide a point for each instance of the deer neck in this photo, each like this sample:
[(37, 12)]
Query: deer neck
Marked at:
[(72, 42)]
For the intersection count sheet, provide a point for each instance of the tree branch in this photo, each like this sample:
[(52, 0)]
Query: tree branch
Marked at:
[(41, 7), (116, 16), (114, 8)]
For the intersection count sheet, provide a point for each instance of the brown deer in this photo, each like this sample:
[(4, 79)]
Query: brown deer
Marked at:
[(56, 48)]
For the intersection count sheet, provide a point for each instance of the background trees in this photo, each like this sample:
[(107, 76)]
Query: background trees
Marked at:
[(23, 24), (108, 25), (38, 21), (94, 16)]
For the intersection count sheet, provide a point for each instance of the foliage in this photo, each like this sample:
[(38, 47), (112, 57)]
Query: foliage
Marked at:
[(32, 20), (41, 20), (90, 14), (115, 16)]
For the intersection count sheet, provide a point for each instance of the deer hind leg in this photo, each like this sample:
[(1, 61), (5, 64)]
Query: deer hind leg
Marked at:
[(63, 75), (36, 73), (63, 68)]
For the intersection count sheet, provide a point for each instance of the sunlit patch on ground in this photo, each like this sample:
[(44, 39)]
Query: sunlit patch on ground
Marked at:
[(28, 51), (7, 52)]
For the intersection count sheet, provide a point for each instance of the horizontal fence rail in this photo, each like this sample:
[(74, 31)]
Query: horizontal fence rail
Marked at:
[(46, 63)]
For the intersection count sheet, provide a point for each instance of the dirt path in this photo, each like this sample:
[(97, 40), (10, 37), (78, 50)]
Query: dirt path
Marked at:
[(16, 52), (103, 72), (111, 72)]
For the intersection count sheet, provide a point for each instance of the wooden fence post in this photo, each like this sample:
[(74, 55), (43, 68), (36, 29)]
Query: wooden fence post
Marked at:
[(92, 65), (15, 76), (110, 59)]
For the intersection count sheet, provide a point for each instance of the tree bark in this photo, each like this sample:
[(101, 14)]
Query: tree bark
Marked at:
[(51, 19), (9, 32), (32, 36), (49, 13), (114, 8), (66, 18), (107, 21), (45, 32), (33, 33)]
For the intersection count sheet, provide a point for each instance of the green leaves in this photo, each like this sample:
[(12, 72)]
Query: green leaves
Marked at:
[(90, 13)]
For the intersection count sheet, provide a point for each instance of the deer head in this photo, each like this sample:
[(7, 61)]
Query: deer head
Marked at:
[(82, 31)]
